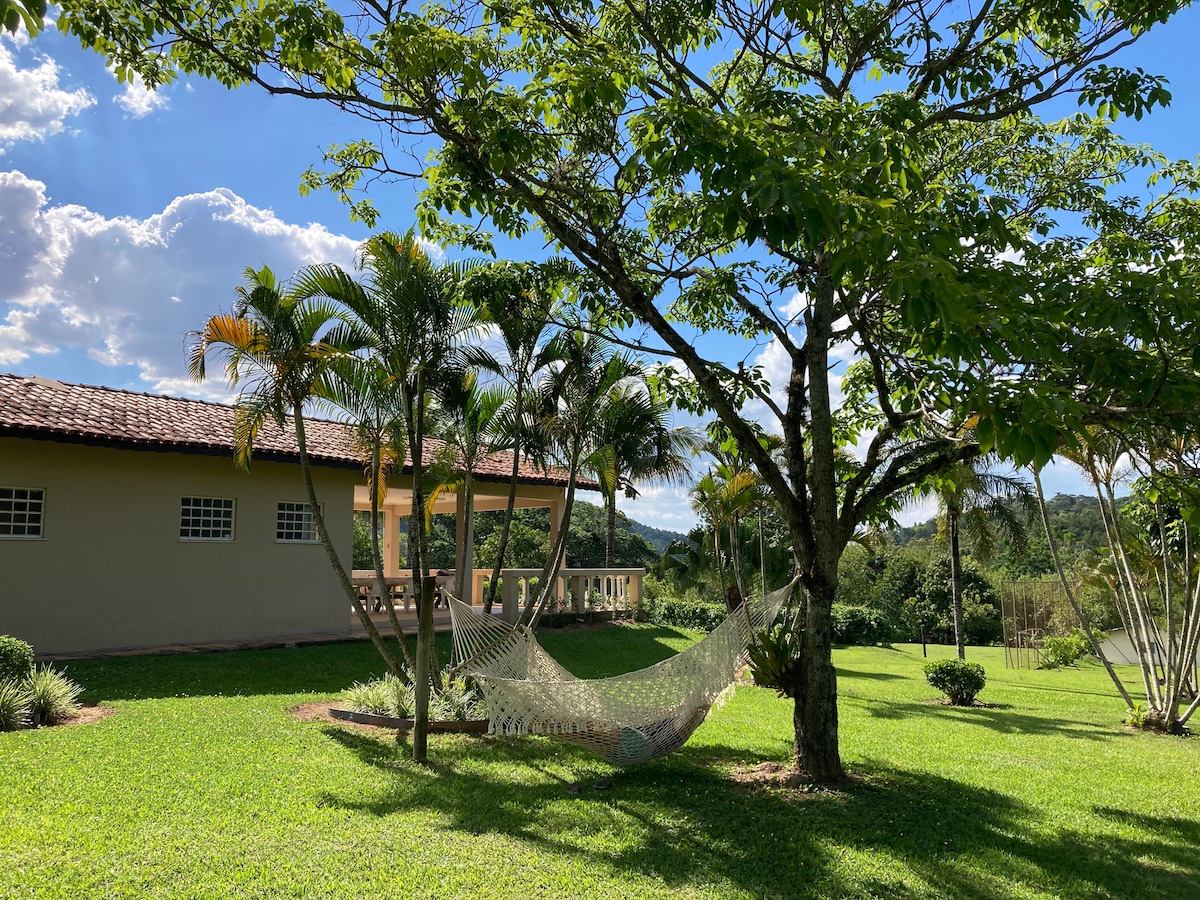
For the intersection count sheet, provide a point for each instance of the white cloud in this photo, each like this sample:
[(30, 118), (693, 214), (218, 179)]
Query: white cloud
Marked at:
[(127, 291), (138, 100), (32, 104)]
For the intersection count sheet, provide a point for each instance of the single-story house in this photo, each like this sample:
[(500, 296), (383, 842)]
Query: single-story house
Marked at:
[(124, 523)]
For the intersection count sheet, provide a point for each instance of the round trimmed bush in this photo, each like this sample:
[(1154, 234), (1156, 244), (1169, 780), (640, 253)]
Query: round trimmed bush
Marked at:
[(956, 678), (16, 659)]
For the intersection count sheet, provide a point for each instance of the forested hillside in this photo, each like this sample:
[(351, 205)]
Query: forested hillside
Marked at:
[(658, 538), (528, 544)]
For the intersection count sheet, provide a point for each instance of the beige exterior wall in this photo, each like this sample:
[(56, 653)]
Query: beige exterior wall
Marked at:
[(112, 572)]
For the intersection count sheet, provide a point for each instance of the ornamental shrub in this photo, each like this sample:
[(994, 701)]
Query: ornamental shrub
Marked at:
[(54, 697), (459, 700), (14, 706), (16, 659), (1065, 650), (687, 612), (956, 678), (386, 696)]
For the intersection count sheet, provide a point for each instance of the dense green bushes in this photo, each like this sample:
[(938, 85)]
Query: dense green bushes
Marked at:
[(1064, 650), (689, 611), (859, 625), (16, 659), (908, 593), (31, 697)]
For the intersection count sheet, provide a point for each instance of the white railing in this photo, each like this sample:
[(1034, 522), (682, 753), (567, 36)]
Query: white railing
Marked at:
[(574, 590), (577, 591)]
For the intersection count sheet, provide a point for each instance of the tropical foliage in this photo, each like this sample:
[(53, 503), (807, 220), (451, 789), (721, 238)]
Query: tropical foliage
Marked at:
[(820, 177)]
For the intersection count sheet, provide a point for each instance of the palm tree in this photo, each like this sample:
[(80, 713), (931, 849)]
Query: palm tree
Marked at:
[(279, 343), (575, 404), (642, 447), (408, 313), (359, 387), (519, 300), (980, 505), (722, 496), (472, 429)]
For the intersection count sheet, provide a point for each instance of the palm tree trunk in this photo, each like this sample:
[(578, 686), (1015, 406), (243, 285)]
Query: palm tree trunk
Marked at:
[(956, 584), (334, 560), (1052, 542), (463, 582), (610, 533), (506, 526), (762, 556), (735, 550), (426, 646), (720, 560), (557, 552), (377, 557)]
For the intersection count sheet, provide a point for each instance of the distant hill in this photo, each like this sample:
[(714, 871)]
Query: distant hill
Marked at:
[(658, 538), (1074, 519)]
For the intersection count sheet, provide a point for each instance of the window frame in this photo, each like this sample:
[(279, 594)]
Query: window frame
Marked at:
[(41, 512), (297, 506), (188, 539)]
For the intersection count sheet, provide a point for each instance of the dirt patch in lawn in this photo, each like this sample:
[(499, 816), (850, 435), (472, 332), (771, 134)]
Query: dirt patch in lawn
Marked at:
[(319, 712), (89, 714), (781, 776)]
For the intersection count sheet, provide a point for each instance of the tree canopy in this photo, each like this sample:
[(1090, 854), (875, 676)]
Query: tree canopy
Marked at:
[(841, 179)]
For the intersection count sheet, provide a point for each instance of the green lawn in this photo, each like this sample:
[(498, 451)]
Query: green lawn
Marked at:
[(202, 785)]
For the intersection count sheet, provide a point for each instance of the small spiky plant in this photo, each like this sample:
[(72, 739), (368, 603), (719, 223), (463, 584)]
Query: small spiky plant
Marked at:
[(15, 704), (54, 697)]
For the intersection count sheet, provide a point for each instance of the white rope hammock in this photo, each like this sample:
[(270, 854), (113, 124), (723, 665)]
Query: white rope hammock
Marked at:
[(625, 719)]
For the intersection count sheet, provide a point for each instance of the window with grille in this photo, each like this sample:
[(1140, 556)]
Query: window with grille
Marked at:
[(206, 519), (294, 522), (22, 512)]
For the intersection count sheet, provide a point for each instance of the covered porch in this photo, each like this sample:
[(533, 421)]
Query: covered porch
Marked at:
[(580, 591)]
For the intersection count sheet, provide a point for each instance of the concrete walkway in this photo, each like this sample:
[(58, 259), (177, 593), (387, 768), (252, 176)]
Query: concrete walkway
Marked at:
[(354, 632)]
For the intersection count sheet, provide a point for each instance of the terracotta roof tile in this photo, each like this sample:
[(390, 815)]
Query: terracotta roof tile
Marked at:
[(40, 407)]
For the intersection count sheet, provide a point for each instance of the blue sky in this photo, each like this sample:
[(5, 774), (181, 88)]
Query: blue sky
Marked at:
[(127, 217)]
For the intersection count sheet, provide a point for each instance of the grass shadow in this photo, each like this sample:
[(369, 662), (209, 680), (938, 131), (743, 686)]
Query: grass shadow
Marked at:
[(842, 671), (999, 717), (685, 821)]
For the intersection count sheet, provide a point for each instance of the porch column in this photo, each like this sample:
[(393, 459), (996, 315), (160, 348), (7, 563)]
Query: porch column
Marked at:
[(391, 542), (556, 517)]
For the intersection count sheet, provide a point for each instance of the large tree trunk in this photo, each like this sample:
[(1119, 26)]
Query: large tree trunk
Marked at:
[(815, 719), (956, 585), (815, 713)]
